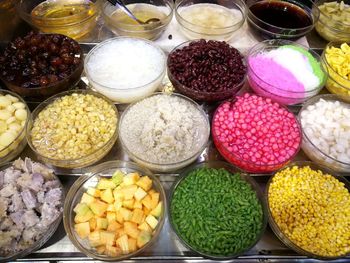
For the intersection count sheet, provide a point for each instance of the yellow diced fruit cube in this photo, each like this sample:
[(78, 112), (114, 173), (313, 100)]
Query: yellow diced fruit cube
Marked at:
[(152, 221), (119, 217), (127, 214), (137, 216), (108, 238), (132, 244), (113, 226), (107, 196), (82, 229), (94, 192), (120, 231), (154, 200), (143, 238), (101, 223), (118, 194), (98, 207), (146, 211), (137, 204), (101, 249), (131, 229), (92, 223), (145, 227), (95, 239), (118, 204), (157, 211), (145, 182), (152, 191), (131, 178), (129, 191), (147, 202), (123, 243), (113, 251), (129, 203), (111, 216), (111, 208), (140, 194), (87, 199), (105, 183), (83, 218)]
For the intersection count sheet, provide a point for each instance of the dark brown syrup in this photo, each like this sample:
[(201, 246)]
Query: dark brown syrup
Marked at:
[(281, 14)]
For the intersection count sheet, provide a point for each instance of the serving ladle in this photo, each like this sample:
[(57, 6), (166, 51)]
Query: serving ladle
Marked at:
[(121, 5)]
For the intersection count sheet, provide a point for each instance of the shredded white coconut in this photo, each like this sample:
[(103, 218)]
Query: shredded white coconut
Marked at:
[(164, 129)]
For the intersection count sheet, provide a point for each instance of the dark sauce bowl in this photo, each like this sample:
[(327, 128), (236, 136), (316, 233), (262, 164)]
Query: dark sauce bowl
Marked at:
[(281, 19)]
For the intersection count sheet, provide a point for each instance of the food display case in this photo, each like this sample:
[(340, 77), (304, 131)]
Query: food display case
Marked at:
[(168, 247)]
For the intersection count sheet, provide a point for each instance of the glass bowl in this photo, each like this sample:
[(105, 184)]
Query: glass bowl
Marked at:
[(8, 14), (45, 236), (165, 167), (232, 169), (53, 17), (329, 28), (336, 83), (50, 89), (285, 94), (16, 147), (84, 160), (120, 24), (264, 29), (202, 24), (275, 228), (313, 151), (90, 179), (248, 165), (125, 95), (202, 95)]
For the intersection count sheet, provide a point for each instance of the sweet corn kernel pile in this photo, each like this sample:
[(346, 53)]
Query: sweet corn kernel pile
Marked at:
[(73, 126), (312, 209), (339, 61)]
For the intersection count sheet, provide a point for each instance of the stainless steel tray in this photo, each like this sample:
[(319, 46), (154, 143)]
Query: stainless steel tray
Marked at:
[(168, 247)]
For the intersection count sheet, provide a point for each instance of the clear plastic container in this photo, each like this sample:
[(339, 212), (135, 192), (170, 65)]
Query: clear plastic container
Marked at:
[(83, 160), (232, 169), (171, 166), (153, 31), (281, 94), (314, 152), (90, 179), (193, 30), (274, 226), (16, 147)]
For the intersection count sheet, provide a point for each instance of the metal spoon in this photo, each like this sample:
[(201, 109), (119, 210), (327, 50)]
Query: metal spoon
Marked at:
[(121, 5)]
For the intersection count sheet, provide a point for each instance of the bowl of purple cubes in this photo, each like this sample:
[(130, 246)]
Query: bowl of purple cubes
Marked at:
[(31, 207)]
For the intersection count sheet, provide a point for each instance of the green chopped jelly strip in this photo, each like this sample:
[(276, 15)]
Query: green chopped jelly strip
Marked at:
[(315, 65), (216, 212)]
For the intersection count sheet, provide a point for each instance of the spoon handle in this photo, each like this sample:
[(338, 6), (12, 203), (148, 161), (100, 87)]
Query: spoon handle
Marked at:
[(121, 5)]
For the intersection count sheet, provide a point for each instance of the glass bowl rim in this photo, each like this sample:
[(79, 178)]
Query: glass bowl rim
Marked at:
[(53, 98), (274, 226), (245, 177)]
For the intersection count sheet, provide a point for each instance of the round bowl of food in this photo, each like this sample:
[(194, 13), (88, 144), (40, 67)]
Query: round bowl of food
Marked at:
[(156, 16), (115, 211), (41, 65), (73, 129), (305, 201)]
